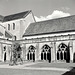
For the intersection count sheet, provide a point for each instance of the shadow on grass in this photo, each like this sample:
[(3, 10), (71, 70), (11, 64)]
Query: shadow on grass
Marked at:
[(71, 72)]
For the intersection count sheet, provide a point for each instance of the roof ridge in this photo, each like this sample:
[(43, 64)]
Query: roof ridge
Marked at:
[(16, 16), (54, 25), (16, 13), (55, 19)]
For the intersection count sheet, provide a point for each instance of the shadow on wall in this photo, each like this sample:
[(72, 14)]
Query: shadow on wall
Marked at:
[(71, 72)]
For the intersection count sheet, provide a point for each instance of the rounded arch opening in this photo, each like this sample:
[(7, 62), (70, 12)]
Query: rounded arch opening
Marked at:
[(4, 53)]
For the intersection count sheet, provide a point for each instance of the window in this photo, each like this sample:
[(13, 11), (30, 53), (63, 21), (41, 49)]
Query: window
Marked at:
[(15, 37), (8, 26), (63, 52), (13, 26)]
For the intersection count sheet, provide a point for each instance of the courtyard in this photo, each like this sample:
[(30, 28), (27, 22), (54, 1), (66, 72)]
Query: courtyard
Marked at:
[(4, 71), (36, 68)]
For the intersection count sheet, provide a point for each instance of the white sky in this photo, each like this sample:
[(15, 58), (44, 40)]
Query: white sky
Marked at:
[(42, 9)]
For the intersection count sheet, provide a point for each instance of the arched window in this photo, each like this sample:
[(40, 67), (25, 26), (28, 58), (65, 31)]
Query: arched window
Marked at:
[(63, 52), (46, 53), (31, 53), (8, 26), (13, 26)]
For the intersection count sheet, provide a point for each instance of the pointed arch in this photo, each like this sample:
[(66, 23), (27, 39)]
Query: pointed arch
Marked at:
[(62, 45), (46, 52), (46, 46), (31, 47), (63, 52), (31, 53)]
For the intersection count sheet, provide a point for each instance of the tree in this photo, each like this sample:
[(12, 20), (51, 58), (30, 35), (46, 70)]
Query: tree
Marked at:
[(16, 54)]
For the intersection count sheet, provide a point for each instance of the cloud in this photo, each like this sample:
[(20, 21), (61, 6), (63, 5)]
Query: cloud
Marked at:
[(55, 14), (65, 8)]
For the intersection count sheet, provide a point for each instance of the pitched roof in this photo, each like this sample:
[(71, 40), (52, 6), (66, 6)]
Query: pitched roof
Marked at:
[(51, 26), (1, 34), (8, 35), (16, 16)]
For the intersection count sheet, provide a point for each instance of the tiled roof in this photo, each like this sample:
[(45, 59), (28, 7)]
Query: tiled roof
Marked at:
[(51, 26), (16, 16)]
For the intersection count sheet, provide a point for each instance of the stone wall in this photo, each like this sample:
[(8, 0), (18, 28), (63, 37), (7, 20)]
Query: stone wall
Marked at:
[(53, 42)]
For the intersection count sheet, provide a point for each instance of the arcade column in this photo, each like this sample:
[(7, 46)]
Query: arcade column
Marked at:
[(71, 50), (54, 51), (37, 52), (23, 51), (1, 53)]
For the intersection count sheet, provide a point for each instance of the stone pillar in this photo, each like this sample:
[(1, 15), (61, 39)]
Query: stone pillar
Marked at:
[(3, 53), (0, 52), (37, 52), (54, 49), (12, 48), (23, 52), (52, 44), (71, 50), (46, 55), (26, 51), (7, 53)]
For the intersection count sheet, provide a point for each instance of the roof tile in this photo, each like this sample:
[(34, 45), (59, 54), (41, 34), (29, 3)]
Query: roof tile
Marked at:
[(16, 16), (51, 26)]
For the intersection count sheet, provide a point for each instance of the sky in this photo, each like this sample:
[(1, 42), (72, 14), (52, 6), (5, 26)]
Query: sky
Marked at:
[(42, 9)]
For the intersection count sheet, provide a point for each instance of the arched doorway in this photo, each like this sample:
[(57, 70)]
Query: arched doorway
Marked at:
[(46, 53), (4, 53), (63, 52), (31, 53)]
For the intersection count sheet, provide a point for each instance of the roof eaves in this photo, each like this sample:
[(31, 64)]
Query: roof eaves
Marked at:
[(4, 20), (48, 33)]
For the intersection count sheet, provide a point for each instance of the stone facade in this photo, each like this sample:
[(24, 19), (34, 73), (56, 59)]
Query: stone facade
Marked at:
[(46, 41), (5, 47), (20, 25), (7, 32), (53, 42)]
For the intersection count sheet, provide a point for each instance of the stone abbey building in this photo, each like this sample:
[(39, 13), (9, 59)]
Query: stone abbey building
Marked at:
[(52, 40)]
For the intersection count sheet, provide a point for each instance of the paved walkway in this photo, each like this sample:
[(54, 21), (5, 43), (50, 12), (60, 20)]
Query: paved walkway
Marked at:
[(24, 66)]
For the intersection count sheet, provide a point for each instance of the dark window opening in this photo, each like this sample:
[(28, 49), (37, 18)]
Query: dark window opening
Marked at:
[(13, 26), (8, 26), (15, 37)]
